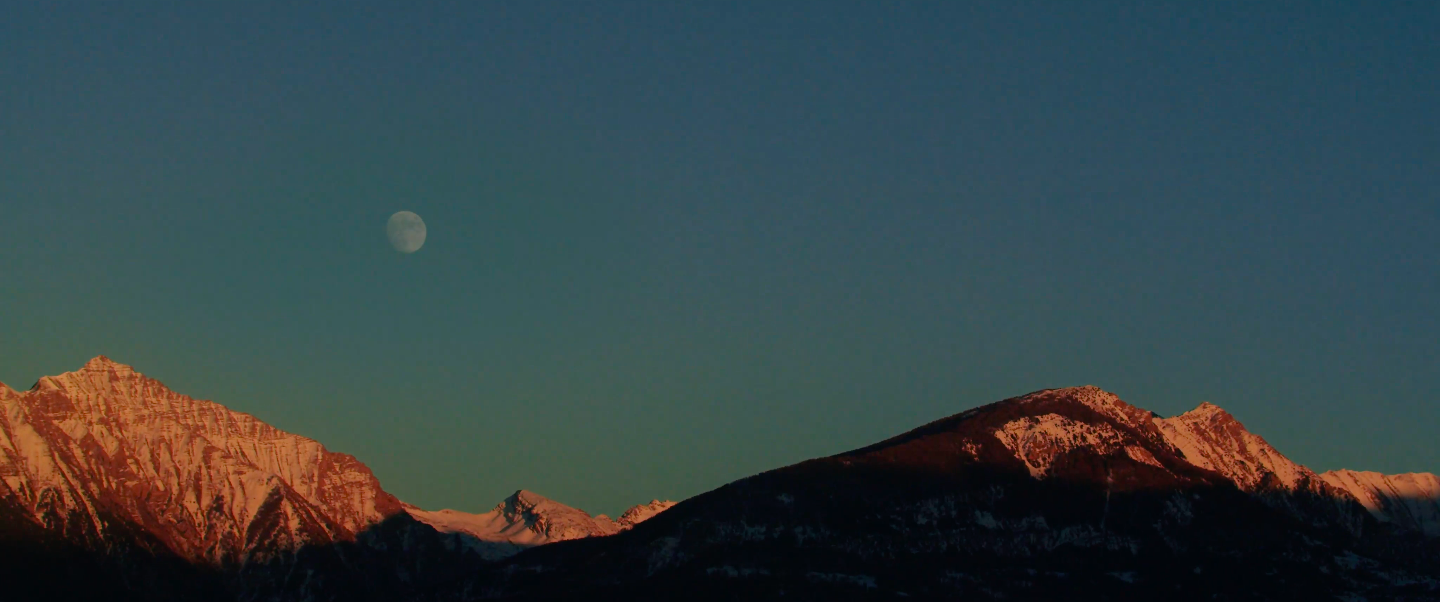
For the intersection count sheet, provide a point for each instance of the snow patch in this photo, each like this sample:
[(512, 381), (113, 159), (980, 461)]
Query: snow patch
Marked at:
[(1039, 441), (1409, 500)]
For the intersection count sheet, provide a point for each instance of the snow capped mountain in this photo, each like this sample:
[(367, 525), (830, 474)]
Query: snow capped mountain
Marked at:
[(105, 450), (88, 449), (527, 519), (1409, 501), (1058, 494)]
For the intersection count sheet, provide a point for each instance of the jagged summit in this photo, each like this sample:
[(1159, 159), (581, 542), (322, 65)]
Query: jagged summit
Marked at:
[(643, 512), (97, 366), (1208, 411), (553, 520), (101, 375), (524, 498), (1090, 396), (1213, 439), (526, 519), (102, 362)]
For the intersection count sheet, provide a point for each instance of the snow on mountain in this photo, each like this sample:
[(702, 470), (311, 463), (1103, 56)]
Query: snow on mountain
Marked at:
[(1058, 494), (527, 519), (643, 512), (1050, 431), (1207, 437), (1038, 441), (85, 449), (1410, 501), (1103, 402), (97, 451), (1211, 438)]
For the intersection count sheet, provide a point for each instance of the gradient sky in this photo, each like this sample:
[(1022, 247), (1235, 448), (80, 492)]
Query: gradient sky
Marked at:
[(670, 246)]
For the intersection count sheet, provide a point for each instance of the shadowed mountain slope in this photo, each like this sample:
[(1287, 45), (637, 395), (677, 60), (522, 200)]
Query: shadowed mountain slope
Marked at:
[(1054, 495)]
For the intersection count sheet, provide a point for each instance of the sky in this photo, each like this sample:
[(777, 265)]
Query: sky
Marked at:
[(674, 244)]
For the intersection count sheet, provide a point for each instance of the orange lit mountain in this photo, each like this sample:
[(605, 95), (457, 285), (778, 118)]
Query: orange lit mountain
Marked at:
[(106, 460)]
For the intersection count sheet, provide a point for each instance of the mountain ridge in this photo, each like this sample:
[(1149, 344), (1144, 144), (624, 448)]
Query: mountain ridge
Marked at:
[(526, 519), (89, 450), (1044, 492), (1049, 495)]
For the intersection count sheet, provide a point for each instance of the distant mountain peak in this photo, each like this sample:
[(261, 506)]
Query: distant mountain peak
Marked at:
[(553, 520), (525, 519), (643, 512)]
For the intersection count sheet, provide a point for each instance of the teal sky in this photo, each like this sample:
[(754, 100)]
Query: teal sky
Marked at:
[(670, 246)]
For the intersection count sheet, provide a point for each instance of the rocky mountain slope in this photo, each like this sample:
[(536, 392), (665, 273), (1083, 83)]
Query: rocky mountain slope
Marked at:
[(1054, 495), (110, 465), (85, 451), (1408, 501)]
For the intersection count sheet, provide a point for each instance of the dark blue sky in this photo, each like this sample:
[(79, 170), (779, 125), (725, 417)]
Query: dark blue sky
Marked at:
[(670, 246)]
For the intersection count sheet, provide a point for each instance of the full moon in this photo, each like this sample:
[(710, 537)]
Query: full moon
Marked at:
[(406, 231)]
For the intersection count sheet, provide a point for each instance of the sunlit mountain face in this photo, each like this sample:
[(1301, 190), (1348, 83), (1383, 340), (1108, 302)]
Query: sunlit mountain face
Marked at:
[(108, 465), (116, 487)]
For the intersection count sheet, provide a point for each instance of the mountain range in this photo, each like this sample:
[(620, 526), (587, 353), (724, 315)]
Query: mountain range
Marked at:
[(113, 486)]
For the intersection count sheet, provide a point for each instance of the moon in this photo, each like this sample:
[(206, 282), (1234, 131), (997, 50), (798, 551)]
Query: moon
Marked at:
[(406, 231)]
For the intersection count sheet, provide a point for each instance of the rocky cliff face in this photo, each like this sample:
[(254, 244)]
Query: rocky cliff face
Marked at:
[(1210, 438), (93, 452), (87, 450), (1407, 501)]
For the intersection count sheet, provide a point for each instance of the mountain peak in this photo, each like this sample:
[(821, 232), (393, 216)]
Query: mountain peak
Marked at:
[(1099, 400), (102, 363), (551, 519), (96, 372), (526, 519), (642, 512), (91, 439), (1208, 411), (523, 500), (1211, 438), (103, 385)]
